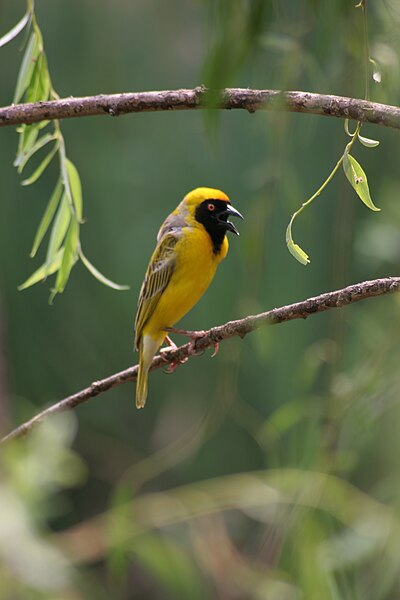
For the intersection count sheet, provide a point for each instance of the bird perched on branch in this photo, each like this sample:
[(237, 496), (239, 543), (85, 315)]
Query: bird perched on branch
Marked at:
[(190, 244)]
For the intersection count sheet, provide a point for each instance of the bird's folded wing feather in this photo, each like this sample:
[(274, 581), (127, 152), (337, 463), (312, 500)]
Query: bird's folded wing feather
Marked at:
[(157, 277)]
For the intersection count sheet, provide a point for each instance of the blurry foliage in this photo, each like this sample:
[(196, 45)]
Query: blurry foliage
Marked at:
[(33, 472), (272, 470)]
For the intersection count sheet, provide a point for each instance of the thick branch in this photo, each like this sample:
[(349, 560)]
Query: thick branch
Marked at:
[(241, 327), (250, 100)]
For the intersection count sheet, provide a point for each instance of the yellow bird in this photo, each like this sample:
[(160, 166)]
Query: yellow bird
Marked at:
[(190, 244)]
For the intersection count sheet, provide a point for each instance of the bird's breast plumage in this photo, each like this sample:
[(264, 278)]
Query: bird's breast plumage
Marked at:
[(194, 269)]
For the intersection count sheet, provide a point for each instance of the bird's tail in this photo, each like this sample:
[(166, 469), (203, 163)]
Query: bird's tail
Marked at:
[(148, 348)]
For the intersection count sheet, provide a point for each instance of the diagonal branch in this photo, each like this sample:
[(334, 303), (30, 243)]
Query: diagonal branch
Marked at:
[(167, 100), (241, 327)]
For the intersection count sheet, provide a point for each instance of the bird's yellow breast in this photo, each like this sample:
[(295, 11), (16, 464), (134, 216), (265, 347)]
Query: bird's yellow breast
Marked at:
[(195, 266)]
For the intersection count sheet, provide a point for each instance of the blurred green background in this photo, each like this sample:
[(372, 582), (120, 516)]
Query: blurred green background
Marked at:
[(272, 470)]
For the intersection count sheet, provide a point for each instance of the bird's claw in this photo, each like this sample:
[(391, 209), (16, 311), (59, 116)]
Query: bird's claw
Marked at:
[(172, 364), (194, 336), (216, 348)]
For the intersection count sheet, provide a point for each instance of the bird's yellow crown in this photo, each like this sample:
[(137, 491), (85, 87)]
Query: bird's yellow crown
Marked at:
[(197, 196)]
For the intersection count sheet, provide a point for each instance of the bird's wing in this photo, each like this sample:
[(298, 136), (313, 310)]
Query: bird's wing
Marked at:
[(156, 280)]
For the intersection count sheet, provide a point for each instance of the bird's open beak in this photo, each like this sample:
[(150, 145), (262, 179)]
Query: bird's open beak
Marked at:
[(232, 212)]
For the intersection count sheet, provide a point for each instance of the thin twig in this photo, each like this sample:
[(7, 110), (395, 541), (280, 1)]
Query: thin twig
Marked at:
[(231, 98), (241, 327)]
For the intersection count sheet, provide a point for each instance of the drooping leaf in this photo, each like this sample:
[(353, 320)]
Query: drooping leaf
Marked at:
[(75, 187), (295, 249), (43, 271), (99, 275), (41, 142), (27, 67), (69, 256), (346, 128), (10, 35), (27, 137), (47, 217), (59, 228), (43, 165), (358, 180), (368, 142)]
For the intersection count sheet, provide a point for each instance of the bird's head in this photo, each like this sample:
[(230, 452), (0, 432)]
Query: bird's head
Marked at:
[(212, 208)]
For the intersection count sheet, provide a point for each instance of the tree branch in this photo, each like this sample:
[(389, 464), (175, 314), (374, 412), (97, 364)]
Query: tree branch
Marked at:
[(241, 327), (250, 100)]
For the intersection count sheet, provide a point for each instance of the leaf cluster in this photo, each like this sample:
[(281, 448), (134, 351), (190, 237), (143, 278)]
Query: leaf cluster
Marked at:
[(63, 216)]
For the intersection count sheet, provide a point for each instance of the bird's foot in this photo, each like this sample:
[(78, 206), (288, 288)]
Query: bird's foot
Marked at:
[(171, 343), (172, 365), (194, 336)]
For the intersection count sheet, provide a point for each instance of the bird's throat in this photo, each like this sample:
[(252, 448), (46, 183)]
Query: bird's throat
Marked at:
[(214, 230)]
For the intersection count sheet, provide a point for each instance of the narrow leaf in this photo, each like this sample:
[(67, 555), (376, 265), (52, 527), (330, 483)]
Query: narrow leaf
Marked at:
[(47, 217), (368, 142), (33, 91), (59, 228), (10, 35), (346, 128), (44, 82), (43, 165), (43, 271), (295, 249), (27, 137), (45, 139), (75, 187), (99, 276), (27, 67), (358, 180), (64, 174), (40, 84), (69, 256)]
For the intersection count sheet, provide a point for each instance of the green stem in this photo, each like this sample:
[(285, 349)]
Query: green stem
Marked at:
[(328, 179), (366, 48)]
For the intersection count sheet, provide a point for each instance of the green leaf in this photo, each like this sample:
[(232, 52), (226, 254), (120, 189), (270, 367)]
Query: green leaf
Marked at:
[(34, 91), (75, 187), (346, 128), (44, 82), (295, 249), (43, 271), (59, 228), (10, 35), (45, 139), (99, 276), (47, 217), (40, 84), (69, 256), (43, 165), (358, 180), (368, 142), (27, 137), (27, 67)]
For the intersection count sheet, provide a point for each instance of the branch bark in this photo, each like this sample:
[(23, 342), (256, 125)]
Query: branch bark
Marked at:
[(241, 327), (197, 98)]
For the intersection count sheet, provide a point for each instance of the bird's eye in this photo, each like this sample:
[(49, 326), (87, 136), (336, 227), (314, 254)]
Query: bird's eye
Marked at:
[(211, 206)]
